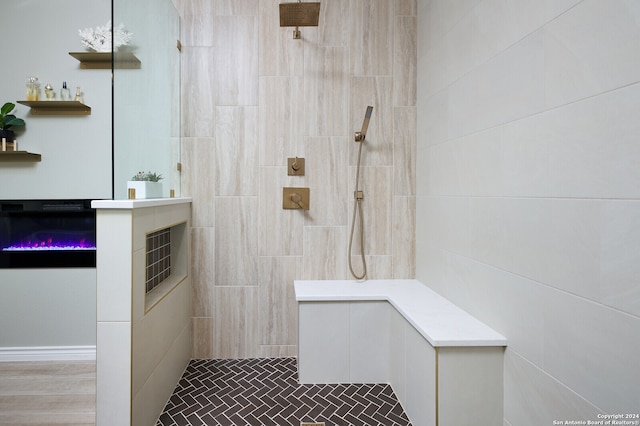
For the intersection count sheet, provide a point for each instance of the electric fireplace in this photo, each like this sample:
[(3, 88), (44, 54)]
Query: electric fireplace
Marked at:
[(47, 234)]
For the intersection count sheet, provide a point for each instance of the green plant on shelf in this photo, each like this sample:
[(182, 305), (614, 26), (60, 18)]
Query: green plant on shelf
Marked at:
[(8, 120), (147, 176)]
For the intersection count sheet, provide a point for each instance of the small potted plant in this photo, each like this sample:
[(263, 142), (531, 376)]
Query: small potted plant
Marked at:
[(8, 121), (146, 185)]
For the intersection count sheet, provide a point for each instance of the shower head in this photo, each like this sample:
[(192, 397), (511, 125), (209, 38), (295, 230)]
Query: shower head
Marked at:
[(365, 125), (299, 15)]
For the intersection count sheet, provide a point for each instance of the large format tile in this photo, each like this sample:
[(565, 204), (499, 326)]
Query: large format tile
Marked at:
[(198, 179), (325, 252), (236, 322), (620, 256), (588, 348), (378, 145), (280, 230), (505, 88), (534, 398), (404, 151), (403, 238), (326, 165), (197, 84), (234, 67), (325, 85), (556, 242), (370, 30), (280, 118), (236, 235), (596, 44), (276, 297), (237, 150), (202, 271), (280, 55), (377, 212), (404, 61)]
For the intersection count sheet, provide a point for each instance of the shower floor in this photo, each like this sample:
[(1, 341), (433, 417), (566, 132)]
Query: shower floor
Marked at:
[(266, 391)]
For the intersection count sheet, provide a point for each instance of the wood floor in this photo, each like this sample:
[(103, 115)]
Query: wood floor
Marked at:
[(48, 393)]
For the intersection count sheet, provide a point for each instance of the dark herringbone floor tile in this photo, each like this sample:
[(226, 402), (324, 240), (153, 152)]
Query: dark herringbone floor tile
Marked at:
[(265, 391)]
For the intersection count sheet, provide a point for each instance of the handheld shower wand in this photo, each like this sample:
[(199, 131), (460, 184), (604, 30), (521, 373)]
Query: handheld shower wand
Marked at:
[(365, 125), (359, 196)]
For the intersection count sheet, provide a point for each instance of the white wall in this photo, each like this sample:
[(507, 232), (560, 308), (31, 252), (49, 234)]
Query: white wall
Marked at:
[(47, 307), (53, 307), (528, 190), (76, 150)]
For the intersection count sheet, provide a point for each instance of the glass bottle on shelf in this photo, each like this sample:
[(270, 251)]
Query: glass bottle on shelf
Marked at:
[(33, 89), (49, 93), (65, 94), (79, 96)]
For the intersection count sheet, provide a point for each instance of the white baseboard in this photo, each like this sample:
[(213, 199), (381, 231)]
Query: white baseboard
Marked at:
[(48, 353)]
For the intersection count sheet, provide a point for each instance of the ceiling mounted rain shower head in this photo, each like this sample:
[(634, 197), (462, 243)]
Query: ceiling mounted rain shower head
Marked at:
[(299, 15)]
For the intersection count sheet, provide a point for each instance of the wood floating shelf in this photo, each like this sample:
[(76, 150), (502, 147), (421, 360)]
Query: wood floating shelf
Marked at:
[(57, 107), (103, 60), (19, 157)]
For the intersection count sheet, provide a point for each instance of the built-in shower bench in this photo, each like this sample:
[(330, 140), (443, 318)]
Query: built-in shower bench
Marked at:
[(444, 365)]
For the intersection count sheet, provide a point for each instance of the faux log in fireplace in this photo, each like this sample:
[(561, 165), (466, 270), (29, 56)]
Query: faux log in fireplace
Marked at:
[(47, 234)]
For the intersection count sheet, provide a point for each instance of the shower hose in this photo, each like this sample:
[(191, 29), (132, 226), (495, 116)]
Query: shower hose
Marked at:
[(357, 211)]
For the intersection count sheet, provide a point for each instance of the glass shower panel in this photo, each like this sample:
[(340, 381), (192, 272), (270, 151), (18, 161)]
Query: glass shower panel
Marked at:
[(146, 95)]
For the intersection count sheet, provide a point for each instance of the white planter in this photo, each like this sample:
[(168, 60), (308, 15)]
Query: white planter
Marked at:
[(145, 189)]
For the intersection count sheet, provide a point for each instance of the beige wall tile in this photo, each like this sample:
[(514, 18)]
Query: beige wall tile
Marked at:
[(378, 93), (236, 322), (325, 87), (202, 331), (370, 31), (280, 231), (197, 91), (406, 7), (235, 7), (237, 148), (236, 235), (276, 299), (281, 114), (327, 168), (404, 61), (378, 267), (404, 151), (273, 351), (234, 68), (325, 250), (252, 97), (202, 271), (376, 183), (198, 179), (403, 237), (279, 53), (197, 22)]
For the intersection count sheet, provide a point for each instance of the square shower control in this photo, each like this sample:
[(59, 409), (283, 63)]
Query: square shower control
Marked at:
[(295, 166), (295, 198)]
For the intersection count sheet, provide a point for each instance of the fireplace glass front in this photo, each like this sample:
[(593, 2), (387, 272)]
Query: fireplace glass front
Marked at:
[(47, 234)]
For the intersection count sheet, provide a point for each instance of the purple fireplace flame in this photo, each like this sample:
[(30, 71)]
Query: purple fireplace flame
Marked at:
[(51, 244), (47, 234)]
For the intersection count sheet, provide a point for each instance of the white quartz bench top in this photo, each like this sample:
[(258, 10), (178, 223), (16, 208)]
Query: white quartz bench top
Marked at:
[(439, 321), (138, 204)]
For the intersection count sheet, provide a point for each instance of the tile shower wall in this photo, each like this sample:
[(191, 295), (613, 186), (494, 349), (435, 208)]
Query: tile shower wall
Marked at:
[(253, 96), (528, 192)]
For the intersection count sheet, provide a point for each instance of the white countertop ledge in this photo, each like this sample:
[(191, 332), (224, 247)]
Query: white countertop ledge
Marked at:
[(438, 320), (138, 204)]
